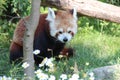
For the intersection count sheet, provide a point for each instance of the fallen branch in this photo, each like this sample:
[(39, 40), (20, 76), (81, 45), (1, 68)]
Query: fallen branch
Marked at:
[(92, 8)]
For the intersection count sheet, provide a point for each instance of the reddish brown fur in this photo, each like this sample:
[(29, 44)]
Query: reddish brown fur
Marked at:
[(42, 39), (64, 21), (19, 31), (67, 52)]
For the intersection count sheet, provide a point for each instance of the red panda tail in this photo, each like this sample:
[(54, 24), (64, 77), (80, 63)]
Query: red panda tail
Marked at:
[(16, 52)]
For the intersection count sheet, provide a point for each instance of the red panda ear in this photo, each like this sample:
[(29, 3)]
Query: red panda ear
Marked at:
[(51, 15), (74, 13)]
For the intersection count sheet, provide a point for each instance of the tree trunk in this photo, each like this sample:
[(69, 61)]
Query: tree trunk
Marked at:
[(92, 8), (31, 26)]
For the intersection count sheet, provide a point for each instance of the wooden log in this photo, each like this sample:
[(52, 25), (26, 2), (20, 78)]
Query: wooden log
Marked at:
[(92, 8)]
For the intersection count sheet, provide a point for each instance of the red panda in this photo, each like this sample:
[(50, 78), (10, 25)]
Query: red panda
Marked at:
[(53, 31)]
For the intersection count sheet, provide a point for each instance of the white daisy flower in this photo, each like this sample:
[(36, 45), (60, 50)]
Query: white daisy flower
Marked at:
[(92, 78), (74, 77), (4, 78), (52, 69), (36, 52), (63, 77), (43, 62), (91, 74), (49, 63), (87, 63), (25, 65), (52, 77), (42, 76), (38, 71)]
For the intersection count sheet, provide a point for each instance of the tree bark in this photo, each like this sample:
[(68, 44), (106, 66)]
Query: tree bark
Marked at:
[(92, 8), (31, 26)]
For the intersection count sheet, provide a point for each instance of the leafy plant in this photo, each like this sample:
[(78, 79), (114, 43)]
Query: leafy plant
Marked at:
[(2, 7), (21, 7)]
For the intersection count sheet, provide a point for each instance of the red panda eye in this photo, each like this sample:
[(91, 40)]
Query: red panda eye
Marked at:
[(60, 32), (69, 31)]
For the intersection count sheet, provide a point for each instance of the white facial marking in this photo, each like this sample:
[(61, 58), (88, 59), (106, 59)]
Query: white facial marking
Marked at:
[(51, 15), (74, 29), (51, 18), (64, 35), (53, 30), (75, 13)]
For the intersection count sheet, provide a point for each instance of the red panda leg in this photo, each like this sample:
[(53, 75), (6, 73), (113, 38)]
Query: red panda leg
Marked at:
[(67, 52), (16, 52)]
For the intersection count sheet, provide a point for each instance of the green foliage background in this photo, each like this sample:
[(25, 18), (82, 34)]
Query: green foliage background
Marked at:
[(97, 41)]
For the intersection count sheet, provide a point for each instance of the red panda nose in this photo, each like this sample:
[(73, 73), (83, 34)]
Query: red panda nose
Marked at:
[(65, 39)]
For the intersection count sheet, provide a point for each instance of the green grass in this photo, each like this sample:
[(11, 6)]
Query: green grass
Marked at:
[(93, 46), (97, 49)]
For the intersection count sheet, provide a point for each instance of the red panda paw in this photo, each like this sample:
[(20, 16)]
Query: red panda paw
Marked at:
[(67, 52)]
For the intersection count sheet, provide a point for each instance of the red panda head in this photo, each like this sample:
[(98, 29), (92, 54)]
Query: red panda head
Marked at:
[(63, 24)]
